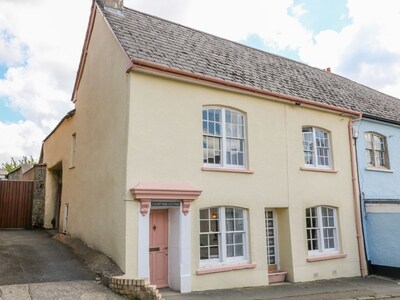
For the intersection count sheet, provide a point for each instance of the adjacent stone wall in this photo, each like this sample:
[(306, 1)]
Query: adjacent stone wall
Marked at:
[(39, 196), (135, 289), (15, 175)]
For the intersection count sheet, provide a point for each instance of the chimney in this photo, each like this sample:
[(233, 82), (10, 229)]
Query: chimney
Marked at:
[(114, 6), (328, 69)]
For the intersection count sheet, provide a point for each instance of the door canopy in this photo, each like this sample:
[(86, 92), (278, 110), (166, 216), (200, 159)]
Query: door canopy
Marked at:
[(145, 192)]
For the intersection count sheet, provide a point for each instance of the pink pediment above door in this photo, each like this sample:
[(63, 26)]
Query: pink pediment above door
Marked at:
[(165, 190), (147, 191)]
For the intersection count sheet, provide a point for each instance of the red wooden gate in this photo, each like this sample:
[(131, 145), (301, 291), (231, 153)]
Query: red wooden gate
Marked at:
[(16, 198)]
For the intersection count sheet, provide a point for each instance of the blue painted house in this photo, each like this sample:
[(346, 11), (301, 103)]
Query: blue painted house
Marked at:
[(378, 148)]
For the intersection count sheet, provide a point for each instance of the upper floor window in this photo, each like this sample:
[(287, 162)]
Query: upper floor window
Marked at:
[(322, 236), (317, 152), (377, 154), (73, 150), (223, 235), (224, 142)]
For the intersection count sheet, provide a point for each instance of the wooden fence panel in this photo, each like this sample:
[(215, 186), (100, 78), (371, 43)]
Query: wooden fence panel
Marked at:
[(16, 198)]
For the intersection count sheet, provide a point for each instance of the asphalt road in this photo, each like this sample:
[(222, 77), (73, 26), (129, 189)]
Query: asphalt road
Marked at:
[(28, 256)]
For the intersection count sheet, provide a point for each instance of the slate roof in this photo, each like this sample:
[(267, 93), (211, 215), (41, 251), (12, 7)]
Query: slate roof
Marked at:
[(152, 39)]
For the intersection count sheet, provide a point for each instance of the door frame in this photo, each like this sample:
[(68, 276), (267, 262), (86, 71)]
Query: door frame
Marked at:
[(179, 226), (276, 237)]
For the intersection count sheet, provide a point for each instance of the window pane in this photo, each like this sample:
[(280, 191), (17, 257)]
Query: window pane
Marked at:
[(211, 115), (203, 240), (214, 225), (211, 128), (239, 238), (204, 226), (214, 213), (204, 253), (214, 240), (217, 129), (205, 127), (204, 114), (227, 116), (214, 252), (238, 213), (229, 225), (238, 250), (230, 252), (203, 213), (218, 115), (229, 213), (229, 238), (239, 225)]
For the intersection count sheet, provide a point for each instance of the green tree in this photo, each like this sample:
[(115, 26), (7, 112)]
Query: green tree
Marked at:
[(13, 164)]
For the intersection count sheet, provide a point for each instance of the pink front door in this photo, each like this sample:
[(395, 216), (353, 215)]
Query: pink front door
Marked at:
[(159, 247)]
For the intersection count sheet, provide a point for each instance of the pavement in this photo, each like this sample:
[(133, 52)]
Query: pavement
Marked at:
[(39, 264), (371, 287), (33, 265)]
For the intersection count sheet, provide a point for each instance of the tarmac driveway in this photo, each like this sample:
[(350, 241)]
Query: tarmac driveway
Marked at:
[(32, 256), (33, 265)]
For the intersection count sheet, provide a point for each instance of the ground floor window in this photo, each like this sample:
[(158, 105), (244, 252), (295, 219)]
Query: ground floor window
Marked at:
[(223, 235), (322, 236)]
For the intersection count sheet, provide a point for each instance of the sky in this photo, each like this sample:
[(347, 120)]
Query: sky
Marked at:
[(41, 43)]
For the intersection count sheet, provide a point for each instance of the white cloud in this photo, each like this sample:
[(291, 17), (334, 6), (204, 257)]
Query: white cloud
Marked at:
[(19, 139), (12, 51), (41, 43), (367, 50), (235, 20)]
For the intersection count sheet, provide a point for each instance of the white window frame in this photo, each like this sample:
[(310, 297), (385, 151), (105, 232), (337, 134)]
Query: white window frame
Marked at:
[(320, 232), (369, 137), (223, 259), (275, 236), (224, 138), (315, 149)]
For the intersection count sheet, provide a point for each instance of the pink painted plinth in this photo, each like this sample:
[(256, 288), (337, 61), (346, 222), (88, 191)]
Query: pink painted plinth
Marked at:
[(276, 277)]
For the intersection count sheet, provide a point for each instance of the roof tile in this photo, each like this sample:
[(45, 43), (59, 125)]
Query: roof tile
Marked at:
[(159, 41)]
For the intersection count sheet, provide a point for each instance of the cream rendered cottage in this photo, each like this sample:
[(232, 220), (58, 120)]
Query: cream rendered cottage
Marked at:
[(200, 163)]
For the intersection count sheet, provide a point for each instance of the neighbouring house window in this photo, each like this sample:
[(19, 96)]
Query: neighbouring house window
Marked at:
[(321, 230), (377, 154), (73, 150), (317, 152), (223, 235), (224, 142), (271, 237)]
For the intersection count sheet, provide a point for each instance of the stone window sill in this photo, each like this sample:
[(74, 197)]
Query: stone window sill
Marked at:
[(318, 170), (326, 257), (379, 170), (224, 268), (227, 170)]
